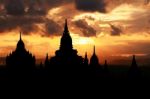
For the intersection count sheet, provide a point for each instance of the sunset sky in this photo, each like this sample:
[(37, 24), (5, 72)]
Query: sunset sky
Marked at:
[(118, 28)]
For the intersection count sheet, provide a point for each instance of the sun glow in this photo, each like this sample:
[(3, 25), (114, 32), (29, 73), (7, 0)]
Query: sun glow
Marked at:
[(83, 41), (77, 40)]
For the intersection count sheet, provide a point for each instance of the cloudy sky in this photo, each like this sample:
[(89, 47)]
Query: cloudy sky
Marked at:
[(118, 28)]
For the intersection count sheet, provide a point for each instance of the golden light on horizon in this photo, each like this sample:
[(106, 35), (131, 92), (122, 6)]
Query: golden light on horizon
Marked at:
[(41, 45)]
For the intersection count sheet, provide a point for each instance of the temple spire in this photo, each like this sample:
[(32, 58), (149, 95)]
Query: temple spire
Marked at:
[(86, 61), (94, 50), (94, 59), (66, 27), (46, 60), (20, 36), (66, 40)]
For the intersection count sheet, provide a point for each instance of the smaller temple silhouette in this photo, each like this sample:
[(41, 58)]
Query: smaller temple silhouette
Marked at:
[(134, 71), (106, 73), (46, 61), (94, 61), (20, 59), (66, 56), (105, 66), (94, 65), (86, 60)]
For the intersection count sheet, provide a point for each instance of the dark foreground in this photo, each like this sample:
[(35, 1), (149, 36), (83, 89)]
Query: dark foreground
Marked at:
[(113, 73)]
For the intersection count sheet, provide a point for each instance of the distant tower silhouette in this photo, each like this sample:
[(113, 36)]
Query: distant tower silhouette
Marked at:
[(134, 71), (66, 55), (46, 60), (105, 65), (134, 66), (94, 59), (134, 63), (86, 61), (20, 58)]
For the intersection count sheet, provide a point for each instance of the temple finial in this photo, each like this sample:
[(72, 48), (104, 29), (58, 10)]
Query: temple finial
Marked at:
[(20, 36), (94, 49), (66, 27)]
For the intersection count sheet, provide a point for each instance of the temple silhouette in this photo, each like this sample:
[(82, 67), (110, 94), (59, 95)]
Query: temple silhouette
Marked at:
[(134, 71), (86, 60), (94, 61), (20, 59), (66, 56), (94, 66), (65, 63)]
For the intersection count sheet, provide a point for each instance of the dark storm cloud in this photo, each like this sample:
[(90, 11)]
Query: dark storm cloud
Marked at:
[(41, 7), (28, 24), (25, 23), (52, 28), (91, 5), (105, 5), (86, 29), (15, 7), (26, 14), (116, 31), (34, 7)]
